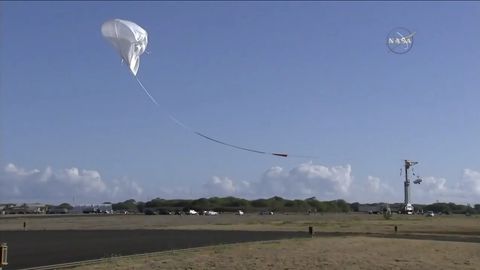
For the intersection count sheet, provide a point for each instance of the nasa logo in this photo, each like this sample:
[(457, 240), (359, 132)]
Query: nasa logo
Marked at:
[(400, 40)]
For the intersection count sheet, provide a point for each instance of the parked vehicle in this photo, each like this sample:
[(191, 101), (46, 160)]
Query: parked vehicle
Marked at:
[(210, 213), (192, 212), (430, 214)]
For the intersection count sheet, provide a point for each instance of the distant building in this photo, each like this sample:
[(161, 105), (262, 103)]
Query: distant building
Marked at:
[(30, 208), (4, 208)]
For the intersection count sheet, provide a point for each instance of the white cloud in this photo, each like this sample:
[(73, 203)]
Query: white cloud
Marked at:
[(221, 185), (471, 181), (224, 186), (12, 169), (433, 189), (86, 180), (434, 184), (304, 180), (126, 188), (334, 182), (374, 189), (307, 179), (430, 190), (464, 190), (49, 185), (374, 183)]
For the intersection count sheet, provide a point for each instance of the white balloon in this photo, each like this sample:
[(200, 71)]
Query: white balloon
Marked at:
[(128, 38)]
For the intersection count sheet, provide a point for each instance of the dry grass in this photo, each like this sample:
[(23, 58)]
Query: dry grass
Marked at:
[(328, 223), (352, 252), (317, 253)]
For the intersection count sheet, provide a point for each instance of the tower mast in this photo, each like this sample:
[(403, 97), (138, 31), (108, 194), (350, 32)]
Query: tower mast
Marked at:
[(408, 205)]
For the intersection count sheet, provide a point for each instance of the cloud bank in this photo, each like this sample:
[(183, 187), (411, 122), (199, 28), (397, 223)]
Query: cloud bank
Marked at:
[(337, 182), (65, 185), (305, 180), (464, 190)]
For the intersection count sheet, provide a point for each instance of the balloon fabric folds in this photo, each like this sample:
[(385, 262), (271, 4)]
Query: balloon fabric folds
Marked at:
[(128, 38)]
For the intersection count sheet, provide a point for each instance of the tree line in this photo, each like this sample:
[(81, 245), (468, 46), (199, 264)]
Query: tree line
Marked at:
[(277, 204)]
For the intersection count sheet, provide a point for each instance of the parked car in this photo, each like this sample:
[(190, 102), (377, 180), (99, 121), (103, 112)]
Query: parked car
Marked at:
[(210, 213), (239, 212), (192, 212), (430, 214)]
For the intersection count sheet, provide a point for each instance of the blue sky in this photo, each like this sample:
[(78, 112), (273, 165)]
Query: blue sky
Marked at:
[(308, 78)]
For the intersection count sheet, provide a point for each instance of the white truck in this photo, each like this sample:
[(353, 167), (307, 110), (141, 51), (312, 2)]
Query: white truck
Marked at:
[(409, 209)]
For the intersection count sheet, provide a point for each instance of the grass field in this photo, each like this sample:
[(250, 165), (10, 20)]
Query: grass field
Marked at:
[(341, 252), (449, 224), (316, 253)]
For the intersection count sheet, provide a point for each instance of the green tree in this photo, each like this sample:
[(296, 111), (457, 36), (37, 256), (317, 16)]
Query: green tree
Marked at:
[(355, 206), (260, 203), (470, 210), (66, 206), (315, 204), (140, 207), (439, 208), (157, 202), (343, 206), (233, 202), (276, 203), (128, 205), (202, 204)]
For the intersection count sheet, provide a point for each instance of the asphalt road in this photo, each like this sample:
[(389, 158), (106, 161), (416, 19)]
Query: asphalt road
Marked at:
[(38, 248)]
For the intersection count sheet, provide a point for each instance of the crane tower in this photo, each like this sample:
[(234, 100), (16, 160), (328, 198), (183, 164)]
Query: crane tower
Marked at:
[(408, 207)]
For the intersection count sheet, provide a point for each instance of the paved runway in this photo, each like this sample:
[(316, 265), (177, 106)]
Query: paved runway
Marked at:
[(38, 248)]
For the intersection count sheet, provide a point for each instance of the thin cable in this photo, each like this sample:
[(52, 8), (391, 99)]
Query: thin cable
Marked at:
[(146, 91), (231, 145), (181, 124)]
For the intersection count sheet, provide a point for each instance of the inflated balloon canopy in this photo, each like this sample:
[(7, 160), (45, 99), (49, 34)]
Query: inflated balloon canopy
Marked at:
[(128, 38)]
